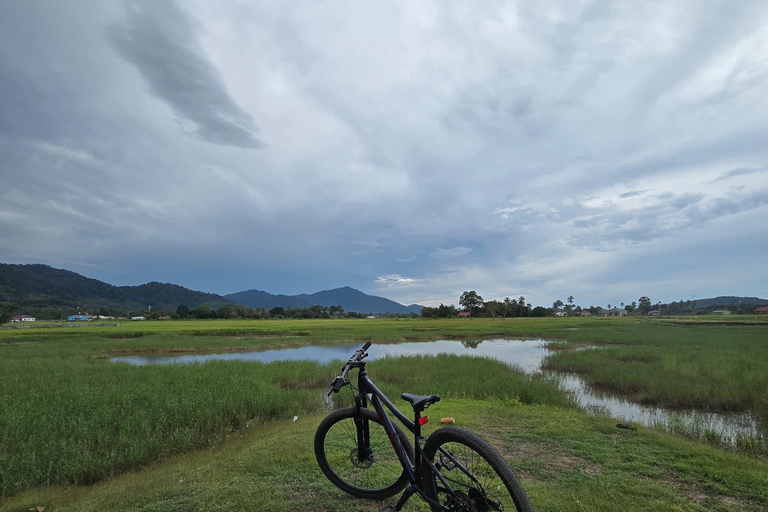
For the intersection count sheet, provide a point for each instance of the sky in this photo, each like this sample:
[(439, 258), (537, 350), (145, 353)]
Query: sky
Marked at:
[(413, 150)]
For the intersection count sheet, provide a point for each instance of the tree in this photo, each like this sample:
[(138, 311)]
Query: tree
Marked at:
[(203, 312), (510, 307), (428, 312), (276, 312), (569, 307), (446, 311), (493, 307), (6, 311), (557, 304), (183, 311), (644, 305), (471, 301), (539, 311)]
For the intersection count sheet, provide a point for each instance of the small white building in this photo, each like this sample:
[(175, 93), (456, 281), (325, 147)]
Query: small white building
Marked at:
[(23, 318), (138, 318), (721, 312)]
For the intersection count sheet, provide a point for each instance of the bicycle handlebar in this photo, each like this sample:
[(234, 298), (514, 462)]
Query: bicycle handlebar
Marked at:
[(341, 380)]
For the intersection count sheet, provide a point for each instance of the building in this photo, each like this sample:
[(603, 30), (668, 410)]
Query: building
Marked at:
[(559, 313), (465, 313), (614, 312), (585, 313), (721, 312), (23, 318), (654, 313), (79, 318), (763, 310), (138, 318)]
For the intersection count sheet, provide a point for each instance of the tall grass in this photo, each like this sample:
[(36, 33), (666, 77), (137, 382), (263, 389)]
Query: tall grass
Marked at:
[(66, 418), (68, 415), (722, 369)]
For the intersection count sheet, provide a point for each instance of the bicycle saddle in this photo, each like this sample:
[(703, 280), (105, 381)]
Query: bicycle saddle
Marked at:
[(420, 402)]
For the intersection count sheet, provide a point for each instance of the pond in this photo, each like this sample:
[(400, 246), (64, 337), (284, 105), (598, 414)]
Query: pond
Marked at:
[(527, 355)]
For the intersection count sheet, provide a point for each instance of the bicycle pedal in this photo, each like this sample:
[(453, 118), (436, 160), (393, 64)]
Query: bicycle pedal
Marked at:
[(387, 508)]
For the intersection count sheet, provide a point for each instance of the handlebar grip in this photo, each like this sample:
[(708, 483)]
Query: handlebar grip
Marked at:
[(366, 346)]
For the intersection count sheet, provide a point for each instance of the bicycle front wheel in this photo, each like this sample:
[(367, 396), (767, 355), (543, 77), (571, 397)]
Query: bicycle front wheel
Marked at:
[(375, 474), (478, 478)]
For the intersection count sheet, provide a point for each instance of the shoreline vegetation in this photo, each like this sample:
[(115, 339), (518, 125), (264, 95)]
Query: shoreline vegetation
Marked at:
[(72, 418)]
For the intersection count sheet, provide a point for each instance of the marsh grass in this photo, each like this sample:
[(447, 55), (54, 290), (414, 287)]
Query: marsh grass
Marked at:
[(567, 461), (68, 415), (713, 368), (74, 420)]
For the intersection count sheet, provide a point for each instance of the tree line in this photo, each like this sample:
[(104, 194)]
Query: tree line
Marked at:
[(474, 304)]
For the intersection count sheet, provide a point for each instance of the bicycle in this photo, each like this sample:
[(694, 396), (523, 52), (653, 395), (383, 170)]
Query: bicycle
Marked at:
[(365, 454)]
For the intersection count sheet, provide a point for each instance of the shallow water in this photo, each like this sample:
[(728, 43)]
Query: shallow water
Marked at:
[(524, 354)]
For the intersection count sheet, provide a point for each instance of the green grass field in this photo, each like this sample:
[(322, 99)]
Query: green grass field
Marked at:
[(71, 417)]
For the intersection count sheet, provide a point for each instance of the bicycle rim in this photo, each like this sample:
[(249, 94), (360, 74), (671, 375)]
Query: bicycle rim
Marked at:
[(377, 472)]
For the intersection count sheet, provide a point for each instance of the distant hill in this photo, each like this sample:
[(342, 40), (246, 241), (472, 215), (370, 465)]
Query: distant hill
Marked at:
[(33, 287), (729, 301), (349, 298), (261, 299), (41, 289)]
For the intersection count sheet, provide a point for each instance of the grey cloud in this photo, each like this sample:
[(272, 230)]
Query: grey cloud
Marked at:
[(685, 200), (741, 171), (160, 40), (449, 254), (625, 195)]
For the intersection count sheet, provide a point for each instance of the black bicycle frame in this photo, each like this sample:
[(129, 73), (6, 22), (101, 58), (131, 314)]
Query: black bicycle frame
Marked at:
[(378, 399)]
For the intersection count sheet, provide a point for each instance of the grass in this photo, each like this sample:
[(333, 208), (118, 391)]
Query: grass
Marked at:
[(69, 416), (709, 367), (78, 420), (567, 461)]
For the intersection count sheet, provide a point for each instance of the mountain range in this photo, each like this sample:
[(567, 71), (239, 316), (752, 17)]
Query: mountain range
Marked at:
[(729, 301), (349, 298), (40, 287)]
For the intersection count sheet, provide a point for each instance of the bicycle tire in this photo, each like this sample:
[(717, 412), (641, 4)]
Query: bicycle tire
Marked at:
[(379, 477), (496, 483)]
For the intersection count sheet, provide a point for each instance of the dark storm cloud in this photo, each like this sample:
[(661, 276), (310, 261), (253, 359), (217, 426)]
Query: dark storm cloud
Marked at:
[(160, 40), (421, 148)]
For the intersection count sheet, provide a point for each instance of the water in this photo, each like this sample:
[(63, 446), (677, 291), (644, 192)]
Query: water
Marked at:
[(524, 354)]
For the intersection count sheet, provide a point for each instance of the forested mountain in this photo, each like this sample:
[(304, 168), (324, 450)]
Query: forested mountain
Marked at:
[(729, 301), (349, 298), (262, 299), (52, 292), (36, 287)]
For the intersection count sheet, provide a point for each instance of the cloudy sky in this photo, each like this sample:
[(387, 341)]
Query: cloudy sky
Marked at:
[(414, 150)]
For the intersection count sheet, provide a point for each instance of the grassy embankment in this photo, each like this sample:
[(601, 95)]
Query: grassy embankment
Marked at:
[(568, 462), (70, 416)]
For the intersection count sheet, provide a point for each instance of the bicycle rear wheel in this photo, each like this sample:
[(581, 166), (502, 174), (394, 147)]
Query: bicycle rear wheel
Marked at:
[(377, 474), (480, 478)]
